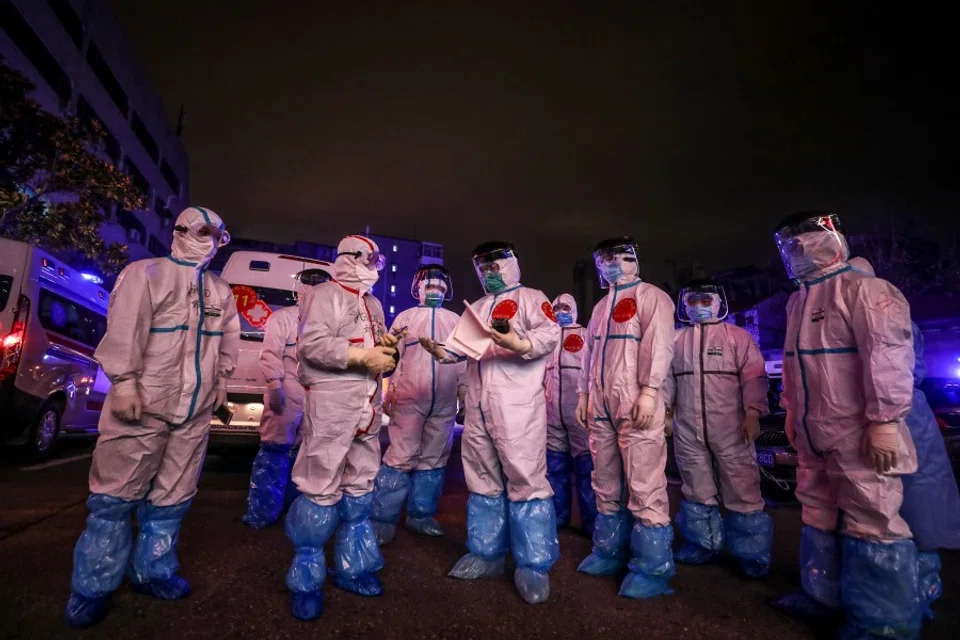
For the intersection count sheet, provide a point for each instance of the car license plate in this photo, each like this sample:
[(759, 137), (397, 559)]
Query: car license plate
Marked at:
[(766, 458)]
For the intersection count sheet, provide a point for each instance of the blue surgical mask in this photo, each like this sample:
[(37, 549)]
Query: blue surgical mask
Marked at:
[(700, 314), (433, 300), (611, 272), (493, 282), (564, 319)]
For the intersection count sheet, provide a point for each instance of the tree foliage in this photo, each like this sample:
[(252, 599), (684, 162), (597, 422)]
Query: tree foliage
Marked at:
[(56, 188)]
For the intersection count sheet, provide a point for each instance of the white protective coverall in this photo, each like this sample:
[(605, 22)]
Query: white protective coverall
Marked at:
[(629, 350), (504, 443), (847, 388), (171, 345), (718, 374), (340, 452), (568, 449), (423, 397)]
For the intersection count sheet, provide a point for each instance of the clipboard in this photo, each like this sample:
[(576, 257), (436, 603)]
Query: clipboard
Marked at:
[(471, 336)]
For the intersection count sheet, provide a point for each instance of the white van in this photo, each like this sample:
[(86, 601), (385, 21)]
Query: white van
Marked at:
[(262, 283), (51, 320)]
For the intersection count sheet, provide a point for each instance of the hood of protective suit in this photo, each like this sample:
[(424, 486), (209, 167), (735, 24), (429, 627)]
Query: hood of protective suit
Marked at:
[(566, 298), (509, 272), (353, 271), (863, 266), (821, 251), (190, 246), (919, 366)]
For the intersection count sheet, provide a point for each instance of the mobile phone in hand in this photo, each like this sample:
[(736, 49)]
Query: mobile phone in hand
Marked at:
[(224, 414), (501, 325)]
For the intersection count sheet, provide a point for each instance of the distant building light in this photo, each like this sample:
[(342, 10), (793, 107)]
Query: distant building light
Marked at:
[(394, 248), (393, 268), (393, 288), (393, 309)]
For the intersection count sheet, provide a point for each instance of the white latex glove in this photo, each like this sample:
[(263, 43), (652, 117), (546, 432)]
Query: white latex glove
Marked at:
[(880, 445), (389, 399), (275, 398), (377, 360), (583, 402), (510, 340), (643, 408), (221, 396), (391, 339), (751, 426), (127, 407), (439, 353)]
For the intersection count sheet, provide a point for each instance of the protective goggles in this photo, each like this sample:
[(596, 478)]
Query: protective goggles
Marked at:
[(562, 307), (491, 257), (205, 230), (625, 251), (313, 277), (432, 278), (373, 260)]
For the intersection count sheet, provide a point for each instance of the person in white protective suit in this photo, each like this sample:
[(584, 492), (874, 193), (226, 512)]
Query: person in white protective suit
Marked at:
[(717, 392), (422, 404), (847, 387), (567, 447), (282, 408), (504, 441), (343, 350), (171, 345), (628, 355), (931, 500)]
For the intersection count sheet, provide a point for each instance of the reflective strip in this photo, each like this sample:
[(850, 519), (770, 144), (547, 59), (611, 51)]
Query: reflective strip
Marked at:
[(828, 276), (182, 263), (207, 332), (827, 350), (623, 336), (290, 344), (181, 327)]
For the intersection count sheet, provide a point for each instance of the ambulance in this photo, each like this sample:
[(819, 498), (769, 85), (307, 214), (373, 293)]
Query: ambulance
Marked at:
[(52, 318), (262, 283)]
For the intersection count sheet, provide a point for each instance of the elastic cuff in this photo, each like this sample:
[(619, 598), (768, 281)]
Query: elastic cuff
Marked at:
[(126, 387)]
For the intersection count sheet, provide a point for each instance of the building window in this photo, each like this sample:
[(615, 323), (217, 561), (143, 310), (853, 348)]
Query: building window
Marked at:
[(34, 50), (140, 129), (170, 177), (156, 247), (86, 115), (69, 19), (394, 248), (138, 178), (393, 289), (107, 79), (393, 309), (393, 268), (136, 231)]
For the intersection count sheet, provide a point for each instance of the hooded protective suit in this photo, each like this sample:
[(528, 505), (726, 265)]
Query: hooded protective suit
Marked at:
[(629, 348), (171, 345), (504, 439), (423, 395), (718, 375), (340, 325), (847, 387), (567, 446)]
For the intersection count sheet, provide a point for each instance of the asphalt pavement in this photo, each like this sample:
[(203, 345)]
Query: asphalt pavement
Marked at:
[(238, 576)]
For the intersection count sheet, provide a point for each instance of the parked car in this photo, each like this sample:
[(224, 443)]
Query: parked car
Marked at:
[(52, 318)]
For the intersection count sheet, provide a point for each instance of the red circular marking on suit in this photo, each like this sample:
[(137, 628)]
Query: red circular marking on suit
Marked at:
[(548, 311), (625, 310), (573, 343), (505, 310)]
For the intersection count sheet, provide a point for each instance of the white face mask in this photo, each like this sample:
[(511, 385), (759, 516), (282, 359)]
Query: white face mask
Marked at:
[(366, 276), (190, 248), (820, 250)]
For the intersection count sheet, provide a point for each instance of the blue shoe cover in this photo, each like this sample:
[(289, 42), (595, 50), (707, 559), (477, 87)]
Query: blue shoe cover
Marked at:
[(307, 606), (750, 538), (694, 554), (559, 467), (700, 525), (533, 585), (880, 588), (356, 554), (174, 588), (474, 567), (586, 498), (611, 542), (384, 531), (103, 550), (651, 564), (426, 487), (931, 587), (309, 526), (367, 585), (84, 612), (533, 534), (424, 526), (268, 485), (799, 605), (390, 491)]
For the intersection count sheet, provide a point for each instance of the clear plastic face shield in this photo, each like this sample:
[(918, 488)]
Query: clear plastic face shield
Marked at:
[(616, 260), (700, 303), (432, 285), (373, 260), (488, 267), (308, 279), (811, 245)]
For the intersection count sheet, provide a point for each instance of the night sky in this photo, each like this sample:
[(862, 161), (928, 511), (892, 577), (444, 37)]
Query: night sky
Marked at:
[(692, 127)]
